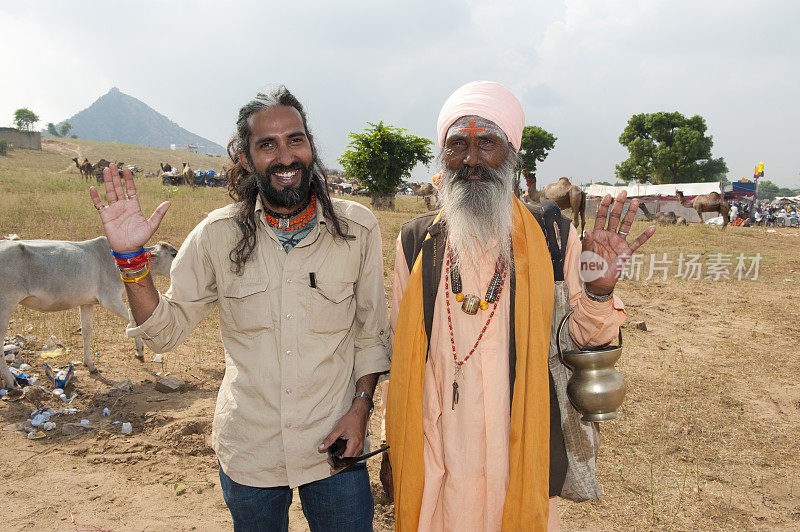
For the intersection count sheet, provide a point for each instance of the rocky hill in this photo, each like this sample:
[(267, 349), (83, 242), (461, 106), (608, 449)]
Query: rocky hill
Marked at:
[(117, 117)]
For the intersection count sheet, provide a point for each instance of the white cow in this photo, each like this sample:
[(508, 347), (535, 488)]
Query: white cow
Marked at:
[(53, 275)]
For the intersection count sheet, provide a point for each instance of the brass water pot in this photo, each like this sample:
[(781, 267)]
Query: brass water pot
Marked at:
[(596, 389)]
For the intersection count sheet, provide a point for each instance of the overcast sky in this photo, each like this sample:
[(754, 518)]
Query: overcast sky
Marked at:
[(580, 68)]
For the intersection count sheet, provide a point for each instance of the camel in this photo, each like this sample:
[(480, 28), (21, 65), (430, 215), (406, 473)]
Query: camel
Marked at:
[(85, 168), (98, 168), (663, 218), (427, 190), (531, 195), (166, 167), (188, 175), (565, 194), (712, 202), (428, 193)]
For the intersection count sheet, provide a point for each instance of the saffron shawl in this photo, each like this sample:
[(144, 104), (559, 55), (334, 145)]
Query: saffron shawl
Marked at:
[(526, 501)]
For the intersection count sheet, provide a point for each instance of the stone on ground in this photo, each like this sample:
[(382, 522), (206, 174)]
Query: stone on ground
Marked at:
[(169, 385)]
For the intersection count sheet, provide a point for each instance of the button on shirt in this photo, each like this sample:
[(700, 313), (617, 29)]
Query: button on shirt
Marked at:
[(293, 352)]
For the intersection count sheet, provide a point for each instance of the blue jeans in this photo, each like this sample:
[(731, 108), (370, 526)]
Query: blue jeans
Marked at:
[(341, 502)]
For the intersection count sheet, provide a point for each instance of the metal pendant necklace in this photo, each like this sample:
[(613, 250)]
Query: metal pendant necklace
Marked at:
[(492, 295), (471, 303)]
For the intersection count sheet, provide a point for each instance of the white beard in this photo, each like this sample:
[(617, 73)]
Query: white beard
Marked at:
[(478, 215)]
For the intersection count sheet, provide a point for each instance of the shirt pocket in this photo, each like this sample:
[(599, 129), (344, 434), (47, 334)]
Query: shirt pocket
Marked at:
[(249, 305), (331, 307)]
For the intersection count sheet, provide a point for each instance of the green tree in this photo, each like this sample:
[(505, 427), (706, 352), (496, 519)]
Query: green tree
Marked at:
[(25, 118), (769, 190), (535, 146), (65, 128), (381, 157), (604, 183), (668, 148), (62, 131)]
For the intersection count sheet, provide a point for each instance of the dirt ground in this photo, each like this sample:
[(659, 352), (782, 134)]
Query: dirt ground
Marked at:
[(707, 441)]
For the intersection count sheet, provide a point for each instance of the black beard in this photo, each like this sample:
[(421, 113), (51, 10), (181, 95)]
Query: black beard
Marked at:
[(288, 197)]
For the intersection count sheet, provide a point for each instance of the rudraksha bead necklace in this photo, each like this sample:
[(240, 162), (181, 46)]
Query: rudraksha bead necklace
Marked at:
[(500, 274)]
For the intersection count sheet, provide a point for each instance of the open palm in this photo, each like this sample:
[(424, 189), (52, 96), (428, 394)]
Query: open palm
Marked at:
[(125, 226), (609, 245)]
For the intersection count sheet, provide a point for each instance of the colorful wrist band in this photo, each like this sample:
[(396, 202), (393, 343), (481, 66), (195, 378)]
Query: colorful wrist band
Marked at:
[(133, 263), (136, 278), (127, 255), (133, 272)]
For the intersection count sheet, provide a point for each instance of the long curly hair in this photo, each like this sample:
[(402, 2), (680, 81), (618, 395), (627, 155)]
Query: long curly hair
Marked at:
[(243, 184)]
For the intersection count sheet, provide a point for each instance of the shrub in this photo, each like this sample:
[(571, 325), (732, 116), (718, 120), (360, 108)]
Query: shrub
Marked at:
[(3, 147)]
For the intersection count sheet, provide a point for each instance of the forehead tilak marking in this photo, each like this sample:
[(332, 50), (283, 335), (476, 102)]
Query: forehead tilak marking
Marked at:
[(470, 125)]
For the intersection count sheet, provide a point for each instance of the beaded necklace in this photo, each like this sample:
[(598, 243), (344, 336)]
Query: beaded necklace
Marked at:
[(286, 221), (492, 295)]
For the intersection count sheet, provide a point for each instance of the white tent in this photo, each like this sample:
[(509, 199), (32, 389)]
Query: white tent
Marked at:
[(793, 199), (657, 198), (690, 190)]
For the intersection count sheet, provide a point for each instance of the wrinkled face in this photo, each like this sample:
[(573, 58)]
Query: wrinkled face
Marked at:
[(473, 144), (281, 153), (476, 189)]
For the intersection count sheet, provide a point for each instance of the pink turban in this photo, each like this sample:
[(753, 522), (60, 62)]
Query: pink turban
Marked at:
[(488, 100)]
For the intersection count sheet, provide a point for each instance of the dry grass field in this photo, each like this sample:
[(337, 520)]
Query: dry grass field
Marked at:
[(707, 441)]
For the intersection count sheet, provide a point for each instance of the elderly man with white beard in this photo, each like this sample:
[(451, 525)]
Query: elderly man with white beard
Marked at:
[(480, 438)]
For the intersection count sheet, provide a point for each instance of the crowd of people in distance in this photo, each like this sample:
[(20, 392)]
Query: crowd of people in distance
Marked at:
[(764, 213)]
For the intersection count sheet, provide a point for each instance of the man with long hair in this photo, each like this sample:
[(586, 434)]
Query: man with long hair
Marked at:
[(298, 280)]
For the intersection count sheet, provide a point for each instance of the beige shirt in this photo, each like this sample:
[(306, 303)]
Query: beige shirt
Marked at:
[(293, 353), (466, 448)]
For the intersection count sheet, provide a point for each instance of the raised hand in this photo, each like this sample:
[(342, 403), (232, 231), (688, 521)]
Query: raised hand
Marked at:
[(126, 227), (609, 245)]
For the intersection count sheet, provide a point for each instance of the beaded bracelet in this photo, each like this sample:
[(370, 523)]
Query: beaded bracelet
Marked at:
[(127, 255), (595, 297)]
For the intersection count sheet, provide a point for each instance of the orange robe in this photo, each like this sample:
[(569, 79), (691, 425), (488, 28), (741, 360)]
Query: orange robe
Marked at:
[(466, 448)]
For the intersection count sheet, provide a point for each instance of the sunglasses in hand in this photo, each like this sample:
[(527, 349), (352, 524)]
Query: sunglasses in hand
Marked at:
[(337, 462)]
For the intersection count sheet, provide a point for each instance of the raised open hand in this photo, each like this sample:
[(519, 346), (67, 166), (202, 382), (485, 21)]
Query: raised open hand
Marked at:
[(609, 247), (126, 227)]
